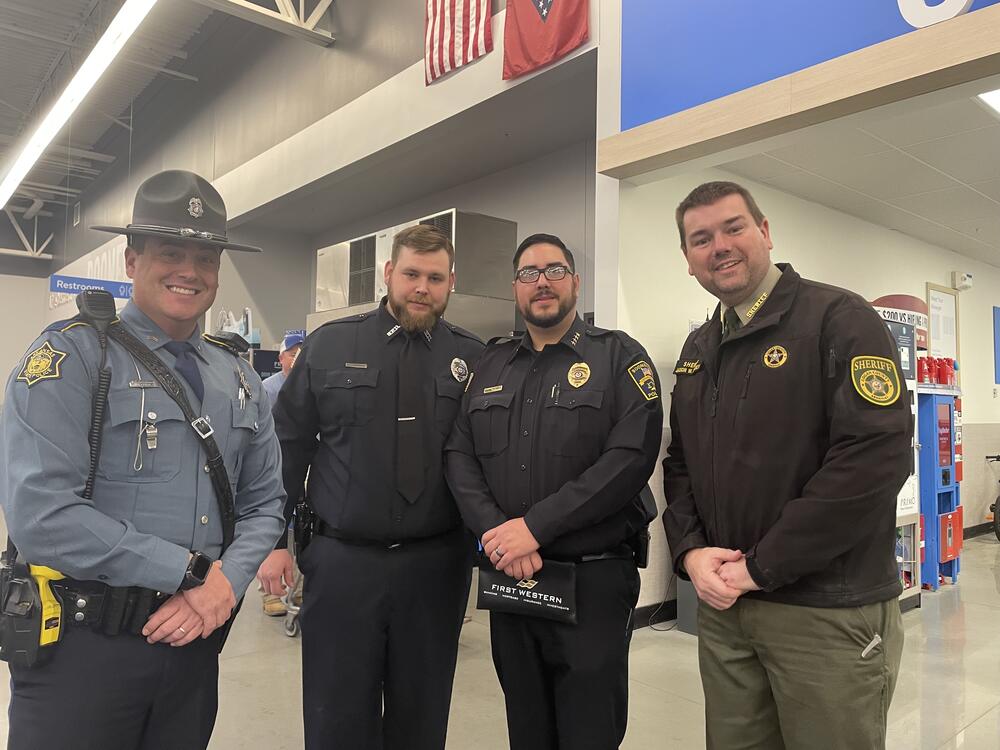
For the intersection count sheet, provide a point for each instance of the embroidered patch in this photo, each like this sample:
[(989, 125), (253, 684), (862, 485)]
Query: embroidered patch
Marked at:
[(579, 373), (42, 364), (875, 379), (642, 375), (775, 357), (687, 366)]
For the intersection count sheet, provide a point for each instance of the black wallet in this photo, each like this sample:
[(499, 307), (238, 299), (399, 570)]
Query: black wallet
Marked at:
[(551, 594)]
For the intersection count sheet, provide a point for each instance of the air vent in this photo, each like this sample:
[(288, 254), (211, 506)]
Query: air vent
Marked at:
[(444, 222)]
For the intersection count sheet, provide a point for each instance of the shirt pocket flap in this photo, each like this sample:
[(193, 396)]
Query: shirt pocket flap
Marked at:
[(126, 405), (247, 416), (576, 399), (352, 378), (487, 400), (448, 387)]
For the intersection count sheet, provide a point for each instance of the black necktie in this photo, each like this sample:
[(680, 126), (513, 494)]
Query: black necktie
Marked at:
[(411, 426), (733, 323), (187, 366)]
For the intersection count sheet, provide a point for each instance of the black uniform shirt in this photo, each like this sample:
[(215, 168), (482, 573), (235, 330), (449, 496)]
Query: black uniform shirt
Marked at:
[(566, 437), (336, 416)]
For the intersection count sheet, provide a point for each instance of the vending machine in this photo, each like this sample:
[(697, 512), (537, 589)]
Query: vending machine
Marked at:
[(940, 496)]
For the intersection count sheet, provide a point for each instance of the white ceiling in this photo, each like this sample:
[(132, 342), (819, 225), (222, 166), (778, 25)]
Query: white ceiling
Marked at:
[(928, 167)]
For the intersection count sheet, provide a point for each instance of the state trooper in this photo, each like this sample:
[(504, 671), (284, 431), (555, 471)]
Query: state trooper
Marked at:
[(366, 410), (148, 586)]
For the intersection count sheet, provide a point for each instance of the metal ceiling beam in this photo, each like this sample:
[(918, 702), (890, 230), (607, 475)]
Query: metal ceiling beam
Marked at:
[(79, 153), (22, 209), (23, 254), (285, 20)]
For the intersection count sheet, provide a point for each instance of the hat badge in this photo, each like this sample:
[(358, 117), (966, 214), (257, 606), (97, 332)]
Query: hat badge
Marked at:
[(195, 209)]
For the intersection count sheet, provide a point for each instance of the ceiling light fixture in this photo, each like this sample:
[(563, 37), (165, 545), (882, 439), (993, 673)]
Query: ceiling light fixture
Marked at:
[(107, 48), (992, 100)]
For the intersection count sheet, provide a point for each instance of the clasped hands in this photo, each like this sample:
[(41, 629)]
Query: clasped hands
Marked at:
[(719, 575), (512, 548), (196, 612)]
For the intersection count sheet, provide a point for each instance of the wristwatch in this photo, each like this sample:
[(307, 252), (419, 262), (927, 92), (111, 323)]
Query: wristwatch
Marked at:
[(197, 571)]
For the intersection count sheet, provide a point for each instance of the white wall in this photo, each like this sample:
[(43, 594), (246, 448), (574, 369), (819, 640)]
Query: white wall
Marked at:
[(22, 309), (658, 300)]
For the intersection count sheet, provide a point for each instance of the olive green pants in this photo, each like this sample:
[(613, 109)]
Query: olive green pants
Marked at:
[(783, 677)]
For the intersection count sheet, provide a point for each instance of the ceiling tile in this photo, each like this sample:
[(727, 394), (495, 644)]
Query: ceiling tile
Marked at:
[(818, 190), (887, 175), (951, 207), (836, 141), (955, 117), (759, 167), (989, 187), (968, 157), (985, 230)]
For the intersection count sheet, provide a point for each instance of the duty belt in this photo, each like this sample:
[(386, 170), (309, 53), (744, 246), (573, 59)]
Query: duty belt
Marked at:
[(107, 609), (322, 528)]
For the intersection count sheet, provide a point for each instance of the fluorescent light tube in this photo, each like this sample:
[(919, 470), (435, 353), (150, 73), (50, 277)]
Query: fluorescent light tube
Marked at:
[(992, 100), (107, 48)]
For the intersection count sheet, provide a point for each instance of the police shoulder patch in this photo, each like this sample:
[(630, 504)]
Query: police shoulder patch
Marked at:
[(42, 364), (642, 376), (876, 379)]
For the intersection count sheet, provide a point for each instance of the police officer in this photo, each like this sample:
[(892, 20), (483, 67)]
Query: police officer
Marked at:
[(791, 436), (557, 435), (366, 410), (146, 592)]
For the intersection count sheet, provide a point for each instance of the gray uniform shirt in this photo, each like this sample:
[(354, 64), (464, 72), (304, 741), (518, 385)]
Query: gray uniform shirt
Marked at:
[(151, 505)]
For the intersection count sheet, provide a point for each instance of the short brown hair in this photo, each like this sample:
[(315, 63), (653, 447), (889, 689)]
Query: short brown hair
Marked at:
[(711, 192), (423, 238)]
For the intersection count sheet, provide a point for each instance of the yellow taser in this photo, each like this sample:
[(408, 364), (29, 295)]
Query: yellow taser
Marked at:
[(51, 630)]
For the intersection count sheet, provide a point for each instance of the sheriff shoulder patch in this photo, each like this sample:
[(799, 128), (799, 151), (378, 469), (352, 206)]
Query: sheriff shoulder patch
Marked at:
[(875, 379), (42, 364), (642, 375), (687, 366)]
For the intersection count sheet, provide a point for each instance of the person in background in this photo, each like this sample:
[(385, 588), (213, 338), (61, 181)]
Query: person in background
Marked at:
[(273, 604)]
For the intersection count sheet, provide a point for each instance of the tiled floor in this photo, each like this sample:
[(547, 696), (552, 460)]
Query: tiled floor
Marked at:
[(948, 696)]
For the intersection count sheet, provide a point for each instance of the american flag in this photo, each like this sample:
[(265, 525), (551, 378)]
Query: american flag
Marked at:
[(457, 32)]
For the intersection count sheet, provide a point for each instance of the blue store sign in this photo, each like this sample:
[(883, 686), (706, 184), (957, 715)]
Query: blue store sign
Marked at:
[(677, 54), (76, 284)]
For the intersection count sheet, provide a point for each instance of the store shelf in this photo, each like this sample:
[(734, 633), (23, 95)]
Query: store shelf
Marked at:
[(941, 390), (910, 592)]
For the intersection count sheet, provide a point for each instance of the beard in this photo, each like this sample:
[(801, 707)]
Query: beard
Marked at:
[(416, 322), (548, 320)]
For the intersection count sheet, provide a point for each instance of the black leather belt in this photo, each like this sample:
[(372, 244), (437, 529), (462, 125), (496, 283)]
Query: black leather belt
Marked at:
[(620, 553), (322, 528), (107, 609)]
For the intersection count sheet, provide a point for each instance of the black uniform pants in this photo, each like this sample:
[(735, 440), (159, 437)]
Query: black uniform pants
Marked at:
[(566, 686), (98, 692), (380, 634)]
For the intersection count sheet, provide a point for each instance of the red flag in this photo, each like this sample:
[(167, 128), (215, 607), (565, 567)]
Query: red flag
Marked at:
[(456, 32), (536, 32)]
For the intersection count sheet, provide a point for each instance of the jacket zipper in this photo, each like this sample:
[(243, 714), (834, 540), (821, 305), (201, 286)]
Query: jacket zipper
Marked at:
[(831, 363), (743, 393)]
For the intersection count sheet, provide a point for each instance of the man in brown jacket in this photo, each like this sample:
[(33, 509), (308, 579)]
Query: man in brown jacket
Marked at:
[(791, 436)]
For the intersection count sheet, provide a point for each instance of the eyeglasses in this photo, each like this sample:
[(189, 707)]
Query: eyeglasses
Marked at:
[(530, 274)]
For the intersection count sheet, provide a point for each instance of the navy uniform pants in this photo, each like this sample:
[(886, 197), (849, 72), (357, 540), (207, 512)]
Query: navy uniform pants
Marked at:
[(98, 692), (380, 632), (566, 686)]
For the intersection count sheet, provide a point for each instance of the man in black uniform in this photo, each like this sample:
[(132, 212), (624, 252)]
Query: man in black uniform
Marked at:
[(367, 409), (557, 435), (791, 434)]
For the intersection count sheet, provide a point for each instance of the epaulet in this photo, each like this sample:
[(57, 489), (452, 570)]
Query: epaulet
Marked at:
[(498, 340), (459, 331), (628, 343), (349, 319), (231, 342), (64, 325)]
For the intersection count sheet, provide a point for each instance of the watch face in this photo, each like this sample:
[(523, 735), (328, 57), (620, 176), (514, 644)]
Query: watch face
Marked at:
[(200, 565)]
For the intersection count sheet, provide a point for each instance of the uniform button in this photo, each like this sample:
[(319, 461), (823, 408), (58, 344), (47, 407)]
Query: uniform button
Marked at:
[(349, 381), (255, 425), (207, 469), (523, 467), (572, 401), (151, 415), (525, 433), (79, 616), (81, 603), (531, 401), (524, 505), (102, 577), (399, 518), (204, 520), (534, 369)]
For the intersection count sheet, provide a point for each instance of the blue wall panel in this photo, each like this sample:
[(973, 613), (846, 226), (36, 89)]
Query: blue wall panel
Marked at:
[(996, 345), (677, 54)]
